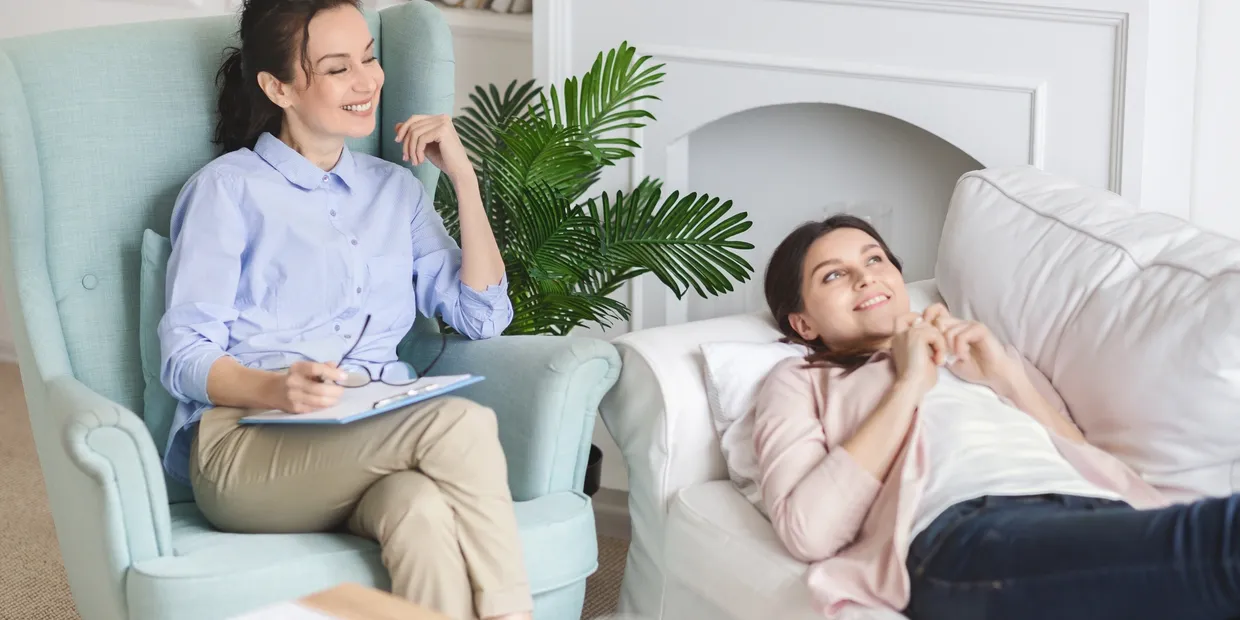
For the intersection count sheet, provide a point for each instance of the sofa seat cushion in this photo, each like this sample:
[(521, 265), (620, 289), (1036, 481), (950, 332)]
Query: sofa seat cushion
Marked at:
[(557, 534), (722, 549), (1131, 314)]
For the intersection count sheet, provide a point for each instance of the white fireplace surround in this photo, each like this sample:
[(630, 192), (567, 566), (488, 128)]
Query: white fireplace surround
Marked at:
[(1101, 90)]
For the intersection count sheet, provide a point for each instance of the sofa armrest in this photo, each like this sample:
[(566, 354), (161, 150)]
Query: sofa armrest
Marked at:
[(112, 446), (659, 415), (545, 390)]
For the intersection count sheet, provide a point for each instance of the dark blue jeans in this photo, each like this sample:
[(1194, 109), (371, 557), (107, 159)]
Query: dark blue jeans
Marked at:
[(1062, 558)]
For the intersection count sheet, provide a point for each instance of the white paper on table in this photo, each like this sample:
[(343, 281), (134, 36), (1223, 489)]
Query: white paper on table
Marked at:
[(285, 611)]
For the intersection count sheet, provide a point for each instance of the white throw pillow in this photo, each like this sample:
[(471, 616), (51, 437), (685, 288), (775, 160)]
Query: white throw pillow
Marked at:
[(1131, 314), (735, 371)]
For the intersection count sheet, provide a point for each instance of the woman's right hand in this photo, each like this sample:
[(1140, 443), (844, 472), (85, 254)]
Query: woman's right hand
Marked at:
[(917, 349), (309, 386)]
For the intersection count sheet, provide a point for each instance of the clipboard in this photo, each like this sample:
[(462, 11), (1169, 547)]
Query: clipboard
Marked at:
[(369, 400)]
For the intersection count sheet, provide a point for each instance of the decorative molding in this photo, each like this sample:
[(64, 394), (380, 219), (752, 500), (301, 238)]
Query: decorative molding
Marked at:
[(1037, 126), (677, 153), (989, 8), (1119, 102), (1119, 20), (798, 64), (553, 43)]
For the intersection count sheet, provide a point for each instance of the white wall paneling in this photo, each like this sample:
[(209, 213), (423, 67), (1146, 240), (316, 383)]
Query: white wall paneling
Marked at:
[(1063, 85), (793, 108)]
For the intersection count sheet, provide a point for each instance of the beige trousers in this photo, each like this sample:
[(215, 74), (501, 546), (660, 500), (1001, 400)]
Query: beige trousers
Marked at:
[(428, 482)]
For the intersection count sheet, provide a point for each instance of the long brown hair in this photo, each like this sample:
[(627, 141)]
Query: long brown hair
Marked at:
[(785, 272), (272, 34)]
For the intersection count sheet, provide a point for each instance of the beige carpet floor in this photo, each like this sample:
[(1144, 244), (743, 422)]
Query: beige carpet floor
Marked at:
[(32, 578)]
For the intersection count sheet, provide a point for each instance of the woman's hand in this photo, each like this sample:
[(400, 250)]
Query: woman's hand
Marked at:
[(980, 357), (434, 137), (309, 386), (918, 349)]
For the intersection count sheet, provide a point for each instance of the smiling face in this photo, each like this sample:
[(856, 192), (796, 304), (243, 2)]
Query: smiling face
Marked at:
[(339, 100), (851, 292)]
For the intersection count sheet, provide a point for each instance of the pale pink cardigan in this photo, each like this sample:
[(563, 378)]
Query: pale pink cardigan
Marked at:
[(831, 512)]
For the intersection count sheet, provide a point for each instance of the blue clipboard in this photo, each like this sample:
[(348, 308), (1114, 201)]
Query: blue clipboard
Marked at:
[(369, 400)]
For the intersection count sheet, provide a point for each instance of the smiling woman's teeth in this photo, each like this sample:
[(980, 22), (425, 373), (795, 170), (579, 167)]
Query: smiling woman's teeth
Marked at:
[(871, 302), (358, 108)]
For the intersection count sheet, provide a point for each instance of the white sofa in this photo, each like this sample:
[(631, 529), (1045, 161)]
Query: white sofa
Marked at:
[(1102, 298)]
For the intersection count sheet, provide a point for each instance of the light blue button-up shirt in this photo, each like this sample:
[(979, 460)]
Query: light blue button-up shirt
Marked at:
[(276, 261)]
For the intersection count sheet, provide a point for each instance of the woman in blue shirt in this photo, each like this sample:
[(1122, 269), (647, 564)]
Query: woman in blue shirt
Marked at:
[(297, 266)]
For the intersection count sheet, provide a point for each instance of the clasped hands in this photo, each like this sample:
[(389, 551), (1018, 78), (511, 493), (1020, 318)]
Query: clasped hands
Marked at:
[(924, 341)]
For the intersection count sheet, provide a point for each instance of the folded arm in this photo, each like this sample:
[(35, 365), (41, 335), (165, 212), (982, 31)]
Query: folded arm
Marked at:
[(441, 285), (816, 494)]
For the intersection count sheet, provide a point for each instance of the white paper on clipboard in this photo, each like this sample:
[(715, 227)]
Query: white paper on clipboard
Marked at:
[(369, 400)]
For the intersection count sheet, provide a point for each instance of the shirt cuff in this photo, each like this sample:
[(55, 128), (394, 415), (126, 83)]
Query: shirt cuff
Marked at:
[(196, 369), (482, 305)]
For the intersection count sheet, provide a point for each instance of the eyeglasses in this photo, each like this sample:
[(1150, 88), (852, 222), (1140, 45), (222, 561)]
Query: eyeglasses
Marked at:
[(391, 373)]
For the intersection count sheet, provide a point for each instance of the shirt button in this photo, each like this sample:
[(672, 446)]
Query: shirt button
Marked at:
[(348, 336), (325, 177), (359, 289), (337, 327), (354, 242), (333, 212)]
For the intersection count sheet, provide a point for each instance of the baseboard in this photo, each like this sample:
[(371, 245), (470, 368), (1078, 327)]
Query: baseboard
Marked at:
[(611, 513)]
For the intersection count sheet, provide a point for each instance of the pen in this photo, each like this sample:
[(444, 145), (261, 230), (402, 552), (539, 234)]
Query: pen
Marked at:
[(406, 394)]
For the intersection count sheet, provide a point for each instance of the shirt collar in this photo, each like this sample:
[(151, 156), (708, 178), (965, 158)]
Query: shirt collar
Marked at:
[(297, 169)]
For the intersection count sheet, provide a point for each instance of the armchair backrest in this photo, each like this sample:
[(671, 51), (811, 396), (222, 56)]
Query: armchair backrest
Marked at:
[(99, 129)]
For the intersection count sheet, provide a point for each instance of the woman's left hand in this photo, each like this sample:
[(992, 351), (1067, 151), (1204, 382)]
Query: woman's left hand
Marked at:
[(434, 137), (980, 357)]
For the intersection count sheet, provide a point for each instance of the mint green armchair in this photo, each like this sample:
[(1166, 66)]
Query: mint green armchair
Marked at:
[(99, 129)]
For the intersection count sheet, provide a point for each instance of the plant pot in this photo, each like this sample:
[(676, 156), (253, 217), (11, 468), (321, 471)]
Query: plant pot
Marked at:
[(594, 471)]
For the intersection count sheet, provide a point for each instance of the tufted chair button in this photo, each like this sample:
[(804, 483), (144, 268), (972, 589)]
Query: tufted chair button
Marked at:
[(89, 282)]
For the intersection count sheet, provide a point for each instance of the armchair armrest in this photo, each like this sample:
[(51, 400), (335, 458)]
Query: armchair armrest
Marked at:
[(112, 446), (545, 390)]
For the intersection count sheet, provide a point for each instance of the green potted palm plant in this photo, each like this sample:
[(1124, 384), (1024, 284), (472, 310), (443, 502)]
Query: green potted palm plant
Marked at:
[(538, 155)]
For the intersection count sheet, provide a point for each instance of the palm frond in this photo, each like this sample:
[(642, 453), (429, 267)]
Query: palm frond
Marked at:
[(541, 154), (446, 206), (537, 153), (607, 99), (554, 240), (482, 124), (563, 313), (687, 242)]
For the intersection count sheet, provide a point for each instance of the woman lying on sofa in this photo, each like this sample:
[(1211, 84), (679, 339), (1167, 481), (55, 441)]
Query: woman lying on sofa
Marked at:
[(924, 467), (294, 258)]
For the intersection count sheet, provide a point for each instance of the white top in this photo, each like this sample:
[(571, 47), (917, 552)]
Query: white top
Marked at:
[(979, 445)]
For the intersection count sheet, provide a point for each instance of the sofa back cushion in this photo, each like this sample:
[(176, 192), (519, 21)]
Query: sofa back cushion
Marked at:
[(1131, 314)]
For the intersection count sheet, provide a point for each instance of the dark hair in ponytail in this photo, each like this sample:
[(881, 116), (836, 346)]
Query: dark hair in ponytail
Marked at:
[(784, 273), (273, 34)]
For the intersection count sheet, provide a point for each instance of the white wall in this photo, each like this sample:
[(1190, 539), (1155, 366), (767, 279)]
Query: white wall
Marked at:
[(22, 17), (1216, 165), (489, 48)]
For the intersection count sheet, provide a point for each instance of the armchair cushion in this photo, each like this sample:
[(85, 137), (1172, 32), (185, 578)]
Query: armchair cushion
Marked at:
[(158, 406), (258, 569)]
